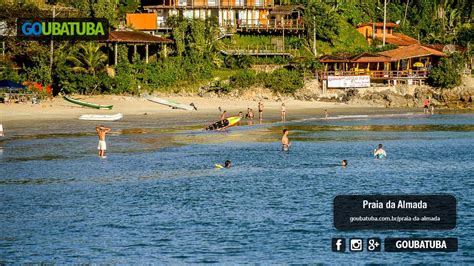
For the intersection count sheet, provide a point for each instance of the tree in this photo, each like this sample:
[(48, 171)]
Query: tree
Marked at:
[(88, 58), (448, 74), (105, 9)]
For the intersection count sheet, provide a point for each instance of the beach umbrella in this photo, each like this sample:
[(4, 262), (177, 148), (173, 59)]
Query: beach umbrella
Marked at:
[(11, 85), (418, 64)]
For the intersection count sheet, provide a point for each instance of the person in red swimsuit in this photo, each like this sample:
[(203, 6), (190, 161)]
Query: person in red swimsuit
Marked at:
[(426, 105)]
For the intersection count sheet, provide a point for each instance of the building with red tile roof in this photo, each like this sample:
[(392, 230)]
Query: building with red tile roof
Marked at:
[(371, 30)]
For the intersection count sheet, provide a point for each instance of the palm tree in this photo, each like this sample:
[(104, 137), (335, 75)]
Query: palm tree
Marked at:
[(88, 58)]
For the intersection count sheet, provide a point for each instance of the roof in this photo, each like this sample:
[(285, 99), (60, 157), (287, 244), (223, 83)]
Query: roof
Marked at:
[(370, 58), (142, 21), (135, 37), (359, 58), (398, 39), (378, 25), (412, 51), (447, 48), (334, 58), (286, 9)]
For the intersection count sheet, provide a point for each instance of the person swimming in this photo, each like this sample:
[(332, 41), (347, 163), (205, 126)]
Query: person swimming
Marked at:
[(227, 164), (344, 163), (380, 153)]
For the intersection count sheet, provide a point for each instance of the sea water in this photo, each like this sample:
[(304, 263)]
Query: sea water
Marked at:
[(156, 198)]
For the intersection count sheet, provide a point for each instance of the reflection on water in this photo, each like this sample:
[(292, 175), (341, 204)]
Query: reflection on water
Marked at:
[(157, 196)]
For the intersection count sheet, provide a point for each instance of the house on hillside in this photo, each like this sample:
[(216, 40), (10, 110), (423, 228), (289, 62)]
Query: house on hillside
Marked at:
[(375, 30), (232, 15)]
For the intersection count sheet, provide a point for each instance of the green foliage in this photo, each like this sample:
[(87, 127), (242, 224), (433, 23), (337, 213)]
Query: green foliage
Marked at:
[(356, 13), (323, 19), (7, 72), (41, 73), (238, 61), (197, 36), (128, 6), (243, 79), (284, 81), (104, 9), (332, 28), (124, 80), (87, 58), (448, 74), (466, 35), (220, 87), (308, 65)]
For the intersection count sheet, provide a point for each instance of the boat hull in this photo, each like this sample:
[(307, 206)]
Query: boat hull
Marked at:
[(86, 104), (102, 117)]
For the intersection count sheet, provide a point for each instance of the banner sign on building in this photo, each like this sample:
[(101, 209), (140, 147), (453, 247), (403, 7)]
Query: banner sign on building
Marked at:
[(348, 81)]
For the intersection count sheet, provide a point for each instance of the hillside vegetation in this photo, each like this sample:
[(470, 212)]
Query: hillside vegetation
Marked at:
[(195, 58)]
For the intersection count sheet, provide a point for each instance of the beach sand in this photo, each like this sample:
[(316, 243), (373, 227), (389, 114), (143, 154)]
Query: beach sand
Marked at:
[(58, 108)]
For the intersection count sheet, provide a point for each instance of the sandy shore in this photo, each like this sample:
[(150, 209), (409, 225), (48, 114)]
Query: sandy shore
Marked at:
[(58, 108)]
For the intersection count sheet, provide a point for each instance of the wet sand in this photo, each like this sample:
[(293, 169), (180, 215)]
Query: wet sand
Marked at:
[(58, 108)]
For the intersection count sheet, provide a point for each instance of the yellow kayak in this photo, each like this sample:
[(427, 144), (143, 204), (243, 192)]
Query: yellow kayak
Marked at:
[(223, 124)]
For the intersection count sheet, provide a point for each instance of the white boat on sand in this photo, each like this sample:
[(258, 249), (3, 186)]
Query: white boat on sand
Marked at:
[(114, 117), (171, 104)]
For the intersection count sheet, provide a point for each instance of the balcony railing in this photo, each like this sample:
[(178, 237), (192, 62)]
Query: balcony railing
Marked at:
[(264, 24), (260, 50), (377, 74), (213, 3)]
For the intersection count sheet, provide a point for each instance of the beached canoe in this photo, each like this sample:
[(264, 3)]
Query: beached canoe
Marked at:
[(223, 124), (172, 104), (86, 104), (114, 117)]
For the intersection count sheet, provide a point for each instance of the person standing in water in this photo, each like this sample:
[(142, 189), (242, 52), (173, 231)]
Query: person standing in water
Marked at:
[(223, 115), (260, 110), (380, 153), (426, 105), (326, 114), (283, 112), (249, 114), (285, 142), (101, 132)]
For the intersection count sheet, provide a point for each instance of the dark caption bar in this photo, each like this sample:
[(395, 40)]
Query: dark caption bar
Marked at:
[(394, 212)]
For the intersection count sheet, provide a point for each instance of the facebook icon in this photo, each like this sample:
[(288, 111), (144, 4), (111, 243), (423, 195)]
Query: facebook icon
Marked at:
[(338, 244)]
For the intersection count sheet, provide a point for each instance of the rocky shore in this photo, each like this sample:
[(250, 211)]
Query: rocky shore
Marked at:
[(400, 96)]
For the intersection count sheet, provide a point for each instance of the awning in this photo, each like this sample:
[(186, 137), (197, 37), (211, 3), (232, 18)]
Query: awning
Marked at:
[(11, 86)]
